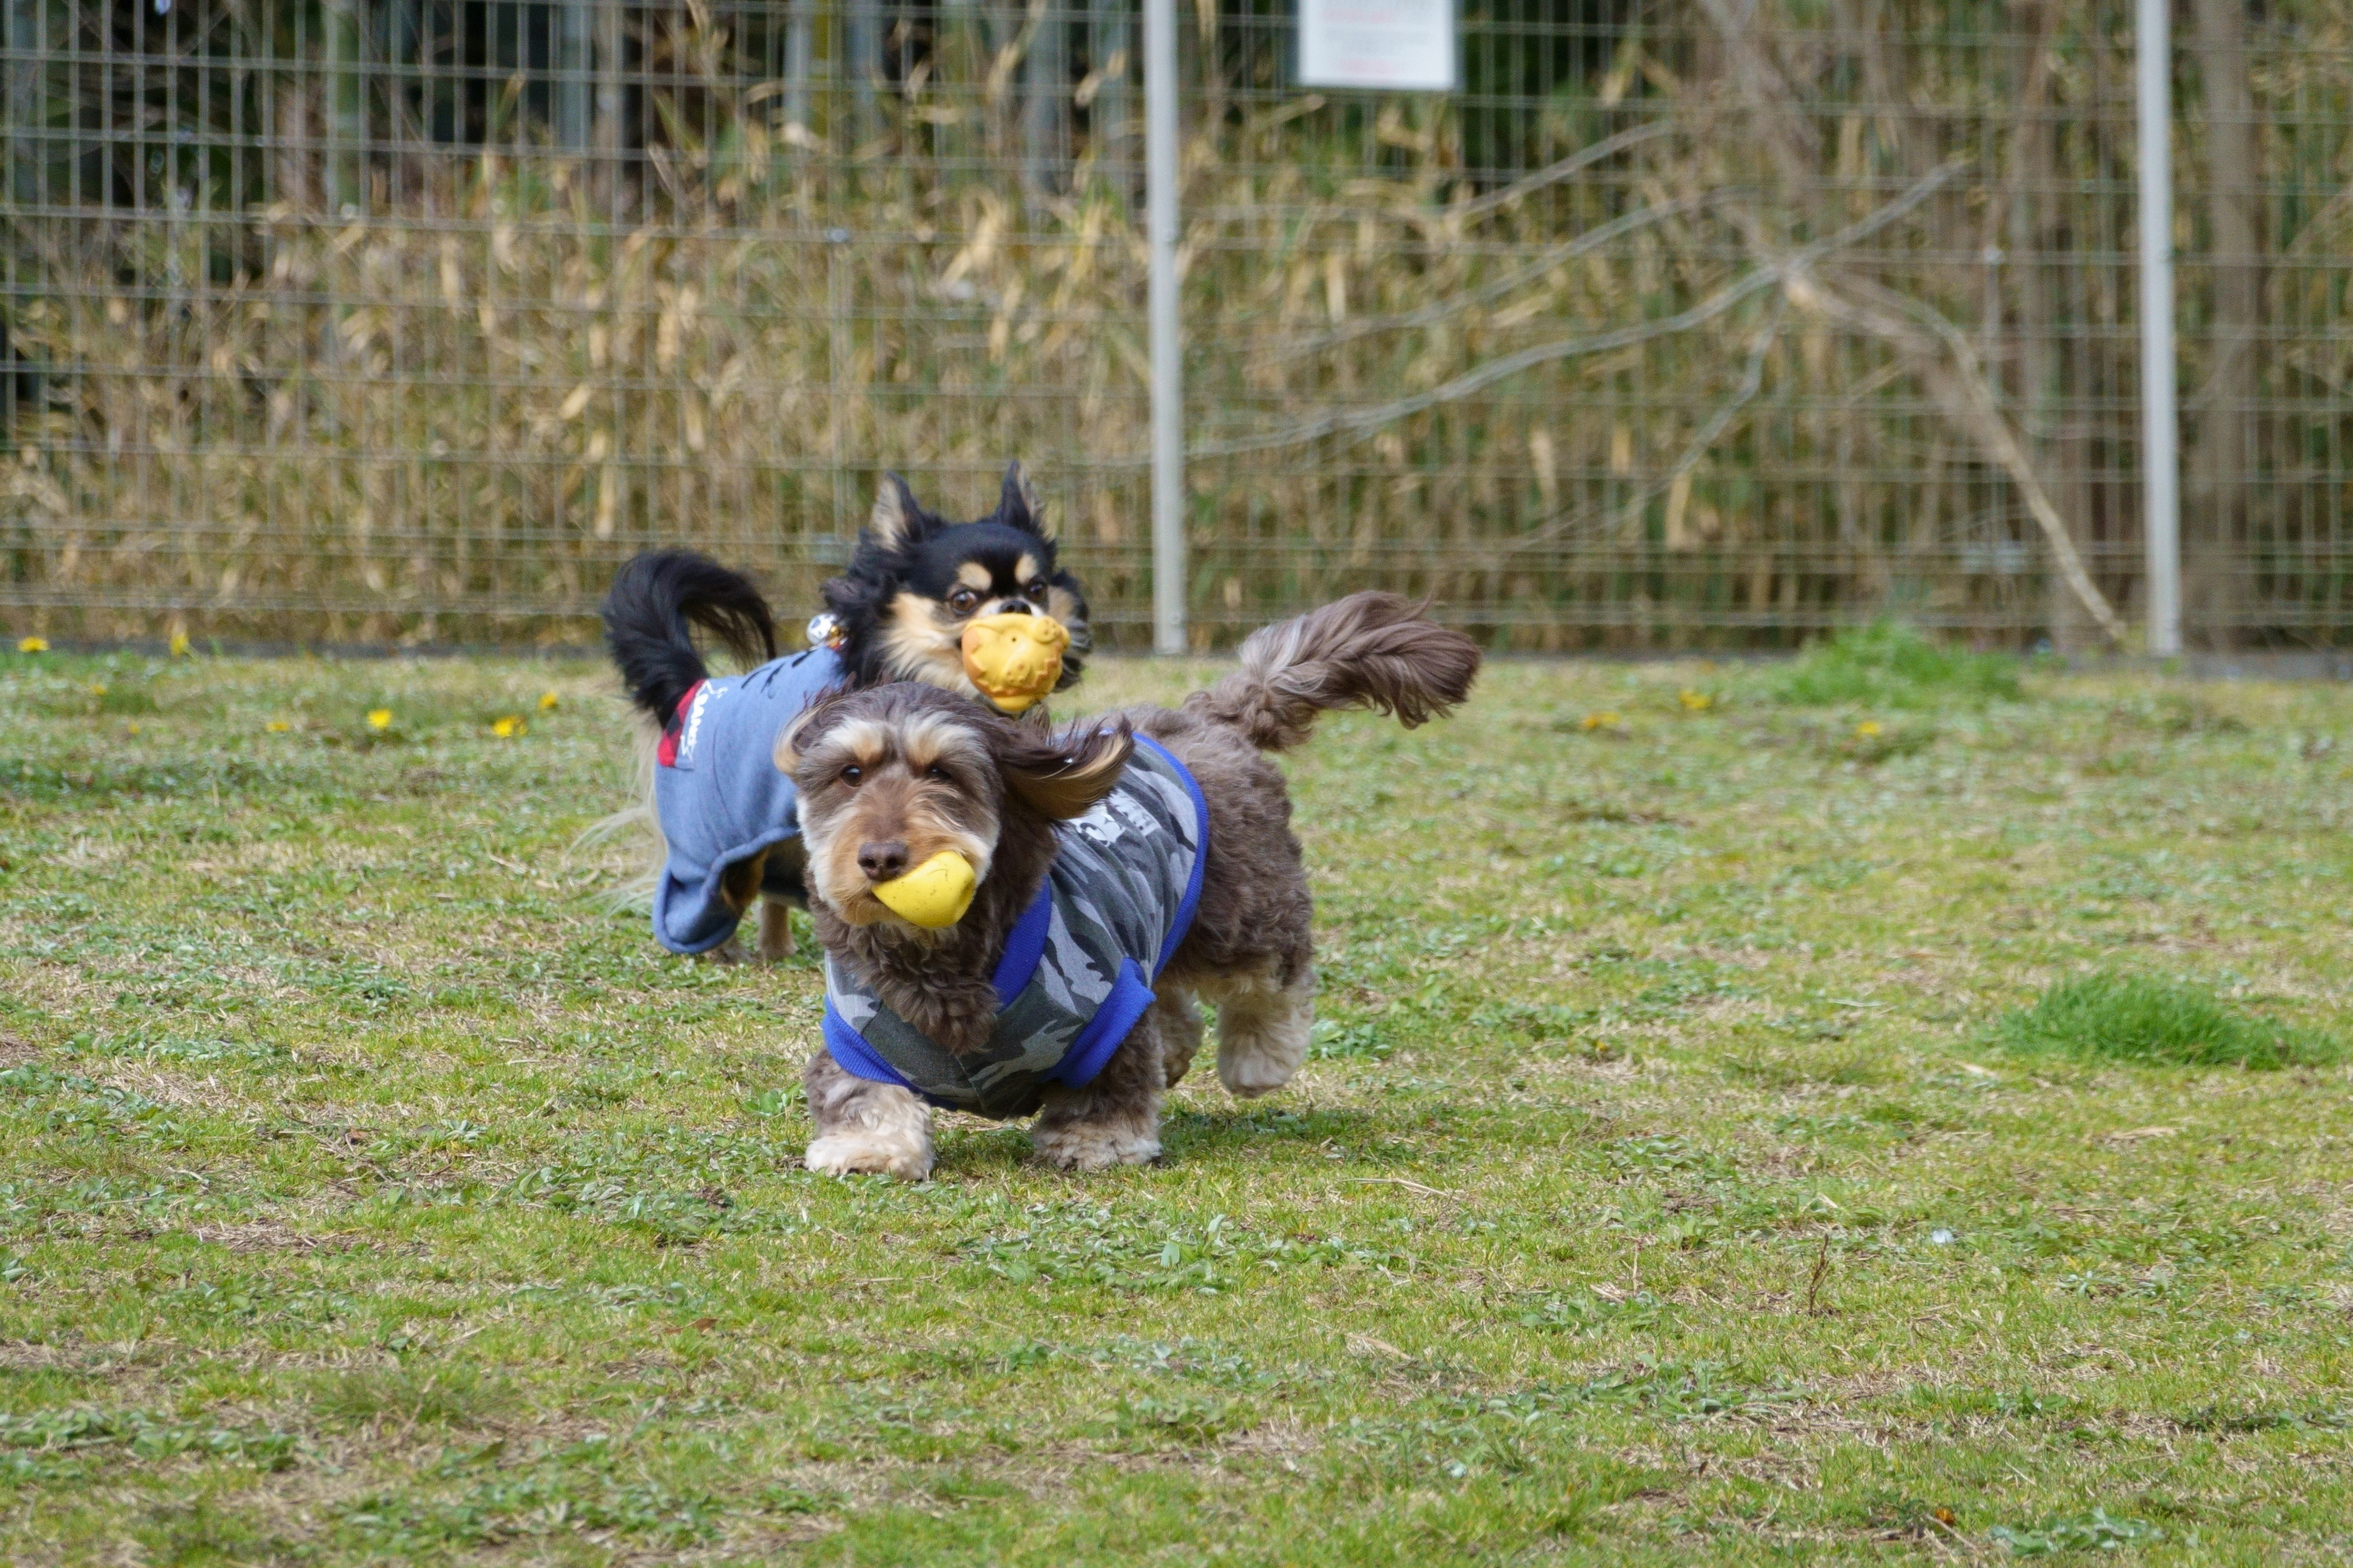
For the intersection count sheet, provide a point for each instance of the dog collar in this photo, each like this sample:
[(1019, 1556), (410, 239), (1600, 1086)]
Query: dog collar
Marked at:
[(825, 629)]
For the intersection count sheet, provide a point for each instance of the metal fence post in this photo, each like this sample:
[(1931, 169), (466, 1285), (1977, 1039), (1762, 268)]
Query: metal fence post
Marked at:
[(23, 108), (865, 67), (1046, 88), (2160, 417), (608, 134), (800, 66), (1167, 345), (346, 107), (574, 58), (1107, 40)]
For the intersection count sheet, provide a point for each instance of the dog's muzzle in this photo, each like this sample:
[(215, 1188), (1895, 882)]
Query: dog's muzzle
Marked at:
[(1015, 660)]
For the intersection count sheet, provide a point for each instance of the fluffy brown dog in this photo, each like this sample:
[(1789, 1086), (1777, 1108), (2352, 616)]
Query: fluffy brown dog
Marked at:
[(890, 776)]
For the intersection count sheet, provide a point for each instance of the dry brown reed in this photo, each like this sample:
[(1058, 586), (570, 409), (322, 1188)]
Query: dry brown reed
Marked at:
[(452, 419)]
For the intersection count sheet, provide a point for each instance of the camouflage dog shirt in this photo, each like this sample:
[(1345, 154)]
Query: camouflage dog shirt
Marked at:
[(1078, 968)]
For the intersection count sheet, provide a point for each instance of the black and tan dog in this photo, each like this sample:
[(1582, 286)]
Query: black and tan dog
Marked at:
[(916, 580), (905, 608), (1190, 884)]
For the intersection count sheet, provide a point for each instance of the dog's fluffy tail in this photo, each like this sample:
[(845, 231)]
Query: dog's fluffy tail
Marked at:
[(650, 616), (1368, 651)]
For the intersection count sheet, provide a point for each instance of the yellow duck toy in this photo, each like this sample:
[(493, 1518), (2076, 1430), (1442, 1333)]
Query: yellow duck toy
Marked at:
[(1015, 660)]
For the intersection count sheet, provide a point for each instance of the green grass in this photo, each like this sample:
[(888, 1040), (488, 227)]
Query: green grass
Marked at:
[(2134, 1019), (1657, 1190), (1890, 664)]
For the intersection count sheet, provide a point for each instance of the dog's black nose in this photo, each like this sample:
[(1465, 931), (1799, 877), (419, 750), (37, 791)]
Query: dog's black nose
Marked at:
[(882, 859), (1015, 607)]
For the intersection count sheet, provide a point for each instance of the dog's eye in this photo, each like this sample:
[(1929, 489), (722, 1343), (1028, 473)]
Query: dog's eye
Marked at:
[(1037, 589), (963, 600), (939, 772), (852, 774)]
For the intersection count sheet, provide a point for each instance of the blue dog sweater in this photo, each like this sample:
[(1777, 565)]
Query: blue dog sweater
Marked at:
[(1078, 967), (720, 795)]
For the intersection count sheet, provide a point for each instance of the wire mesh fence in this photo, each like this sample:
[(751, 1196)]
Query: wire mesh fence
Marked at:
[(1681, 323)]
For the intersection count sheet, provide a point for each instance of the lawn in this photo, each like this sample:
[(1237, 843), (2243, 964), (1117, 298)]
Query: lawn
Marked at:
[(1743, 1126)]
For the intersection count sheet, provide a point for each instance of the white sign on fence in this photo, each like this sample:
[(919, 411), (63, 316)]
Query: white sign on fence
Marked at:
[(1401, 45)]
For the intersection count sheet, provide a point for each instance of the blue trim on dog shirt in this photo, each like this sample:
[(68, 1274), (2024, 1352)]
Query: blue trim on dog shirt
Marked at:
[(849, 1047), (1071, 983), (1023, 949), (1025, 946), (1192, 898), (1091, 1052)]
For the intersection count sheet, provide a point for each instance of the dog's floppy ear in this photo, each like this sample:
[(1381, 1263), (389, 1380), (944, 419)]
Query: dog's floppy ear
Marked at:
[(798, 731), (1018, 505), (898, 520), (1065, 775)]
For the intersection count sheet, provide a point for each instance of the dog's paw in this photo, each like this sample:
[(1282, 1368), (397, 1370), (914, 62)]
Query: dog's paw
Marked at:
[(1262, 1039), (1247, 1077), (1088, 1148), (776, 944), (866, 1152)]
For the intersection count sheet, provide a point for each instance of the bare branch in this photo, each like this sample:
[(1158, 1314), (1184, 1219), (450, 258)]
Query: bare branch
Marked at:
[(1955, 381), (1360, 421), (1363, 420), (1553, 174), (1751, 382), (1766, 94), (1590, 240), (1455, 216)]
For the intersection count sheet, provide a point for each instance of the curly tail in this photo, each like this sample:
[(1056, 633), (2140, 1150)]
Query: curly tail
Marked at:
[(649, 616), (1368, 651)]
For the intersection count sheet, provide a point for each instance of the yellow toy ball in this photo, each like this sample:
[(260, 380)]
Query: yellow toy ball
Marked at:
[(1015, 660), (934, 895)]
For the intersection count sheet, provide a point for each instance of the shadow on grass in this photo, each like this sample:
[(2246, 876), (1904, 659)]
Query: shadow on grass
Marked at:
[(972, 1152), (1187, 1131)]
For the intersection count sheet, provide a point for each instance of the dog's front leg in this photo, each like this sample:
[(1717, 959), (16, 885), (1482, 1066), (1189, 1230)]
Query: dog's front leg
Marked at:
[(1262, 1032), (1114, 1120), (775, 931), (864, 1127), (1179, 1022)]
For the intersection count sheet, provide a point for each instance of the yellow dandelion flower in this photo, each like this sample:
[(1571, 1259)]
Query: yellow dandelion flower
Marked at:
[(180, 645), (1598, 721), (134, 726), (1867, 729), (1697, 701), (98, 688), (508, 727), (548, 701), (379, 718), (278, 726), (32, 645)]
